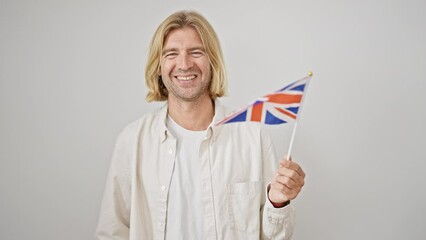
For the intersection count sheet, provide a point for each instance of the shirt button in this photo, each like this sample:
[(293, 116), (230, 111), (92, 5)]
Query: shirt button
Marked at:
[(163, 188), (160, 224), (170, 150)]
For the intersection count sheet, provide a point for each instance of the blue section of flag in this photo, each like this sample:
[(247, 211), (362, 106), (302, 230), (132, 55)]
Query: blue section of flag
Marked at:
[(239, 118), (271, 119), (293, 109), (299, 88)]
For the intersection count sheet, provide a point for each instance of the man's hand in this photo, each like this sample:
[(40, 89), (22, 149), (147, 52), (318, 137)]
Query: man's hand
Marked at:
[(286, 184)]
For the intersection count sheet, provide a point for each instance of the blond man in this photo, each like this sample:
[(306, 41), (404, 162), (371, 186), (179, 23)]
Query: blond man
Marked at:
[(175, 174)]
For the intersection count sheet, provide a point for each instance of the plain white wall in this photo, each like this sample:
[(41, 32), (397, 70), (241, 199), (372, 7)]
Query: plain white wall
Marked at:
[(72, 77)]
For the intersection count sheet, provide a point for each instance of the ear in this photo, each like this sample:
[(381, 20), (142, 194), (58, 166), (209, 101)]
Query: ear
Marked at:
[(159, 71)]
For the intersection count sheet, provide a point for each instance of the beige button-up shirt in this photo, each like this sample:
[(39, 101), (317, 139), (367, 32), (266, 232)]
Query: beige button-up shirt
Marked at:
[(236, 162)]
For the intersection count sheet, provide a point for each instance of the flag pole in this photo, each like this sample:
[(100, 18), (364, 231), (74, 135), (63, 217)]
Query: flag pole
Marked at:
[(297, 118)]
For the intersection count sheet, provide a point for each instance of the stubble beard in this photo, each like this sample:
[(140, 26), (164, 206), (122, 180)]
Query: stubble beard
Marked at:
[(188, 94)]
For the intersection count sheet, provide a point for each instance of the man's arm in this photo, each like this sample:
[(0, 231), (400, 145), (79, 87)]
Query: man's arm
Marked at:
[(114, 216), (277, 214)]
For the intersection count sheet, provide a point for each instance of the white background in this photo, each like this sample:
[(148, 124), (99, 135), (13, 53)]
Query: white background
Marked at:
[(72, 76)]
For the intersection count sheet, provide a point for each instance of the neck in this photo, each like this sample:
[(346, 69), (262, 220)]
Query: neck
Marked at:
[(192, 115)]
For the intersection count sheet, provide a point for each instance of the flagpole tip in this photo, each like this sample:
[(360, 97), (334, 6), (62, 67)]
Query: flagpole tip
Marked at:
[(310, 73)]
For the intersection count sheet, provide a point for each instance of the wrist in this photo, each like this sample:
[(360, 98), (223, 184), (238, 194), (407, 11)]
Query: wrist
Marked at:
[(280, 205), (276, 204)]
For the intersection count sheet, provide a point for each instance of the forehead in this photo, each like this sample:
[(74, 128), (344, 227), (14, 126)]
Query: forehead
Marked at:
[(181, 37)]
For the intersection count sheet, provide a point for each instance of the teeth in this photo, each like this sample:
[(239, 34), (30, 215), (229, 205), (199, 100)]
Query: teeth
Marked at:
[(185, 78)]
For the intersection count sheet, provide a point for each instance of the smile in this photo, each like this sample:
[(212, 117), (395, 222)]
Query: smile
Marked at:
[(185, 78)]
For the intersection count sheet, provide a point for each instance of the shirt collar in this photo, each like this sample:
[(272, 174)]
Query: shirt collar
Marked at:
[(162, 114), (219, 115), (212, 130)]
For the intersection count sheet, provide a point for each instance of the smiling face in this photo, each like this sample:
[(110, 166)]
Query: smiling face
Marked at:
[(185, 66)]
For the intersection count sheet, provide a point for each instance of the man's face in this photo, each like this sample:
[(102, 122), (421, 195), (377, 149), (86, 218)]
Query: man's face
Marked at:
[(185, 66)]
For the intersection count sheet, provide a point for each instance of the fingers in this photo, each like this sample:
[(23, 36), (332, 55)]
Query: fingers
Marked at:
[(290, 176), (288, 180), (293, 166), (286, 193)]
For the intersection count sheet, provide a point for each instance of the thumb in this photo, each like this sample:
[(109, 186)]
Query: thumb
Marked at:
[(288, 157)]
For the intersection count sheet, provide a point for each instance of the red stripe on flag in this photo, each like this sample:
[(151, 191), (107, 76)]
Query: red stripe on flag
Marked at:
[(290, 114), (284, 98), (256, 112)]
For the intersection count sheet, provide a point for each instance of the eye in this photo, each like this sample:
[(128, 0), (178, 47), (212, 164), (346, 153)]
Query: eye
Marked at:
[(170, 55), (197, 54)]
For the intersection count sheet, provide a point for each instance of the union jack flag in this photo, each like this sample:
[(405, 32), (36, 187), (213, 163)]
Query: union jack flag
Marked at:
[(279, 107)]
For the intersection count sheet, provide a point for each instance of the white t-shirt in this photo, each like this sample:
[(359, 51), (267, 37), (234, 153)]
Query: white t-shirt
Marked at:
[(184, 208)]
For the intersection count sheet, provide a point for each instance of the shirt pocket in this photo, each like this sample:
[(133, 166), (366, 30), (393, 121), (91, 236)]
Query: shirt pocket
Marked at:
[(244, 206)]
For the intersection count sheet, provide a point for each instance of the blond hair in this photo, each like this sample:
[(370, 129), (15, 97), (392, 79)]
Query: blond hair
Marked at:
[(178, 20)]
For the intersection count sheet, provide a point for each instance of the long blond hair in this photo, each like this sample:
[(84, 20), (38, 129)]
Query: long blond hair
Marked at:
[(181, 19)]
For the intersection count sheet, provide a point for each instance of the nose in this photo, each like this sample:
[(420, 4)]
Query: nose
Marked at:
[(184, 62)]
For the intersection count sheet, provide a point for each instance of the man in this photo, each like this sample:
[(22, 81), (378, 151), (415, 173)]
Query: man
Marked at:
[(175, 174)]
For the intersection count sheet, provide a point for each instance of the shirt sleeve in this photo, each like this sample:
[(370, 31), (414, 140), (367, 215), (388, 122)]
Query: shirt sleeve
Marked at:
[(114, 216), (276, 223)]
